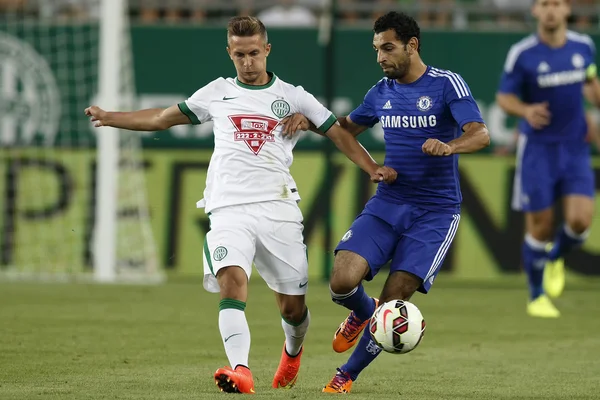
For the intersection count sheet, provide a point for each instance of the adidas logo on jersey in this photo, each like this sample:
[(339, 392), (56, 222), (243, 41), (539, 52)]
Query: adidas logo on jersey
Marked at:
[(387, 105), (543, 67)]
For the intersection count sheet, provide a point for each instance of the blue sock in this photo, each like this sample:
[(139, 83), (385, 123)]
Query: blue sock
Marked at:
[(565, 241), (357, 300), (534, 260), (365, 352)]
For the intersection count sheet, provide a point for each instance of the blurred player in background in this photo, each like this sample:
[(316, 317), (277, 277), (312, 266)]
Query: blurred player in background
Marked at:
[(543, 80), (250, 196), (428, 116)]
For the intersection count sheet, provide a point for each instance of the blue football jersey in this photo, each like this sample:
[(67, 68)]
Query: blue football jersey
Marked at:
[(437, 106), (537, 73)]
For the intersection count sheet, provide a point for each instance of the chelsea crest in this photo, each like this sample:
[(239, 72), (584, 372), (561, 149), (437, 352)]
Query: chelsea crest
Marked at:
[(424, 103)]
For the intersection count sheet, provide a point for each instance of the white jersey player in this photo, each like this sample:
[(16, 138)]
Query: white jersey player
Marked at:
[(250, 195), (249, 177)]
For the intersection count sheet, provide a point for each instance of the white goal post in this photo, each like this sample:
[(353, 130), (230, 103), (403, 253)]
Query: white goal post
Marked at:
[(74, 198), (109, 85)]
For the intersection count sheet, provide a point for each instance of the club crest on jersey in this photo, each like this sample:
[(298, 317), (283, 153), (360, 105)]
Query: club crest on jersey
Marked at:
[(220, 253), (254, 130), (280, 108), (424, 103), (578, 60), (347, 236)]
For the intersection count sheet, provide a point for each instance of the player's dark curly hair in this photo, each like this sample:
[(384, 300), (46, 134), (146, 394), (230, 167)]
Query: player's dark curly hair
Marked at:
[(404, 25)]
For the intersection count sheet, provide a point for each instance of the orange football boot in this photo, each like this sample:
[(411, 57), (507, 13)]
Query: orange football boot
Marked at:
[(341, 383), (347, 334), (238, 380), (287, 372)]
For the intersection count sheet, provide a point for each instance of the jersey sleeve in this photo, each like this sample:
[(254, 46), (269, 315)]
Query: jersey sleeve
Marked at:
[(196, 107), (513, 75), (364, 114), (316, 112), (459, 99)]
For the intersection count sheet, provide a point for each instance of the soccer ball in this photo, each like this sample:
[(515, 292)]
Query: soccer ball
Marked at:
[(397, 326)]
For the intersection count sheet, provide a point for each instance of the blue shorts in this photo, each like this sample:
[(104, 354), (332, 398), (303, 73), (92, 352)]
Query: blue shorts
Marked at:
[(546, 172), (414, 239)]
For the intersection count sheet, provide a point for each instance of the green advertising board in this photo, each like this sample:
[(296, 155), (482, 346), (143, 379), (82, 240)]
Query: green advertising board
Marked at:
[(170, 63), (57, 221)]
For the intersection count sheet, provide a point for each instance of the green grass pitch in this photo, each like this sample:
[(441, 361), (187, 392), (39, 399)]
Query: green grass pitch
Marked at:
[(74, 341)]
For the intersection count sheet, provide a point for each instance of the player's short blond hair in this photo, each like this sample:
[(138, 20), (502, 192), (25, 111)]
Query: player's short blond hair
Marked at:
[(246, 26)]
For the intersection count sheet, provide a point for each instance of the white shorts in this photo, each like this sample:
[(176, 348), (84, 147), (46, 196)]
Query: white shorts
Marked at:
[(266, 233)]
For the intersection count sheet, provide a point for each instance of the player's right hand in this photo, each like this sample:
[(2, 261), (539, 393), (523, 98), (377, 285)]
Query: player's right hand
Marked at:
[(97, 115), (384, 174), (293, 124), (538, 115)]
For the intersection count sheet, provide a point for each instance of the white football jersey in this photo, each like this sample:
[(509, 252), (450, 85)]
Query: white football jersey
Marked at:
[(251, 159)]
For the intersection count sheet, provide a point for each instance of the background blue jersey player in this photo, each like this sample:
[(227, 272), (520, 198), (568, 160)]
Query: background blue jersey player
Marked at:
[(412, 222), (544, 76)]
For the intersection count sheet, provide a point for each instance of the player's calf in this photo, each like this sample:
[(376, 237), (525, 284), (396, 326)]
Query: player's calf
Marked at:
[(400, 285)]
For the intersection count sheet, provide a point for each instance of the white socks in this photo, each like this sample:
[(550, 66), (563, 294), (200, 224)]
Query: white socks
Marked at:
[(236, 334), (234, 331), (295, 333)]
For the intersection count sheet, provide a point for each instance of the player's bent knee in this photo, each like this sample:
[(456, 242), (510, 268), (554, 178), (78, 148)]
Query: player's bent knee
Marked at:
[(233, 282), (292, 308), (540, 228), (349, 269), (579, 225), (295, 315), (342, 286)]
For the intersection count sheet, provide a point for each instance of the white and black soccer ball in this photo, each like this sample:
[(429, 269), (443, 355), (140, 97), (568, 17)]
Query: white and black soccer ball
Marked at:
[(397, 326)]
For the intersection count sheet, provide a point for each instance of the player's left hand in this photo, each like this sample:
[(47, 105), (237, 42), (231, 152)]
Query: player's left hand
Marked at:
[(434, 147), (384, 174), (293, 124)]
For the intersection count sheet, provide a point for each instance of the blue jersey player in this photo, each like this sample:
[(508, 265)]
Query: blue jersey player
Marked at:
[(544, 81), (428, 116)]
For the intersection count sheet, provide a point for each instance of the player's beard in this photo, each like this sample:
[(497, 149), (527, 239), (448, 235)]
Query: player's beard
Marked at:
[(400, 70), (552, 25), (550, 28)]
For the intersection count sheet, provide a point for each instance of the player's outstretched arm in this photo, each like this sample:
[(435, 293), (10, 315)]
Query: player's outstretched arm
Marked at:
[(298, 122), (154, 119), (348, 145)]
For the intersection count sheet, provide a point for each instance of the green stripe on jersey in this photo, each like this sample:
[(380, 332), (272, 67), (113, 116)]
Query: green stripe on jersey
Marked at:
[(258, 87), (328, 124), (183, 107)]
